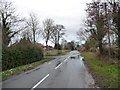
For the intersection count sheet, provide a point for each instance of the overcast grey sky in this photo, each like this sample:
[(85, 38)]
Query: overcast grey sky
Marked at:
[(69, 13)]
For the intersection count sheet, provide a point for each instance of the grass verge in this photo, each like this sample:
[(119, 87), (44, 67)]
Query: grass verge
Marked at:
[(105, 75), (20, 69)]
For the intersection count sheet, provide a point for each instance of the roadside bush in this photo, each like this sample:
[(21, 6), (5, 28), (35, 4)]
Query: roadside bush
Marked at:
[(113, 51), (57, 46), (19, 54)]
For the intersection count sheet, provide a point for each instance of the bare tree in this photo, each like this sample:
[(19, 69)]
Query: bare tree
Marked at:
[(53, 37), (47, 29), (96, 22), (115, 9), (33, 26), (57, 33), (9, 21), (63, 43), (83, 35), (27, 34), (60, 31)]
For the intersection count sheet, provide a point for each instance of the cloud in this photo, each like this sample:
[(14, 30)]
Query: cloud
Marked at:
[(69, 13)]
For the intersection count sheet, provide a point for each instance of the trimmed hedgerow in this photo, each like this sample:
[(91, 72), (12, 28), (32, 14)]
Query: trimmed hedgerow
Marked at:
[(19, 54)]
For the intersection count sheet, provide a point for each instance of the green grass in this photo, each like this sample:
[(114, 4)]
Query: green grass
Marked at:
[(20, 69), (105, 74)]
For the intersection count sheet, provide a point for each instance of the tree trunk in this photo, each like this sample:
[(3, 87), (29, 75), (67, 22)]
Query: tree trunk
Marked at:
[(34, 37), (100, 46), (109, 50), (119, 45), (118, 25), (46, 43), (46, 47)]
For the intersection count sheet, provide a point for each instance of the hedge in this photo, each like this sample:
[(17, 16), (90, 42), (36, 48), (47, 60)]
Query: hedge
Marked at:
[(20, 54)]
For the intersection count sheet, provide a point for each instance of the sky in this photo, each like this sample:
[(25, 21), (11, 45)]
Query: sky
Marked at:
[(70, 13)]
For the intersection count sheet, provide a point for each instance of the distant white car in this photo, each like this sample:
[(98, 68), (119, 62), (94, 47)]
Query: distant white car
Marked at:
[(82, 58), (74, 56)]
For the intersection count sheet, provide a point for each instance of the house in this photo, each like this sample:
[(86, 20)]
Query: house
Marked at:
[(40, 45)]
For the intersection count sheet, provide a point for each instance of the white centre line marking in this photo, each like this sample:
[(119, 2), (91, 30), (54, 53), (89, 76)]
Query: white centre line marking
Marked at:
[(65, 60), (40, 82), (58, 66)]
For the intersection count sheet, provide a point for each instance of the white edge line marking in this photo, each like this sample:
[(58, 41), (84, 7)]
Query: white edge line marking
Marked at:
[(58, 66), (40, 82)]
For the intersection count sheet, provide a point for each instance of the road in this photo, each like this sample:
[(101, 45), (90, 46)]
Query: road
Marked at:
[(62, 72)]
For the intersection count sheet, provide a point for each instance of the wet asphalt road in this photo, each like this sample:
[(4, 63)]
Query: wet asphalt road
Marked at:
[(62, 72)]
